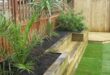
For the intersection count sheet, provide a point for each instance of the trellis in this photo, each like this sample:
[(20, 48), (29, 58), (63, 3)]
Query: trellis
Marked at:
[(17, 10)]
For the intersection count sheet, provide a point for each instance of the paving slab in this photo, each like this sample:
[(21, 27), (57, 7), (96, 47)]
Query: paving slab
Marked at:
[(99, 37)]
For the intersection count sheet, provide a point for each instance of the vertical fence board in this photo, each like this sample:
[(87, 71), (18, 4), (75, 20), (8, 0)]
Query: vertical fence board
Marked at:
[(96, 13)]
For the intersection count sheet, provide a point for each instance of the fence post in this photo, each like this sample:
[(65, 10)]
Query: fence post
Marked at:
[(14, 10), (73, 3)]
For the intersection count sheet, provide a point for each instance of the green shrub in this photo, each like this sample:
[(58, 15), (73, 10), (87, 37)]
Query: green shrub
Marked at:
[(70, 22)]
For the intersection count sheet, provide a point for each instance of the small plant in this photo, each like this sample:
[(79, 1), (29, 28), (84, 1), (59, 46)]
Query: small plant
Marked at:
[(50, 30), (71, 22)]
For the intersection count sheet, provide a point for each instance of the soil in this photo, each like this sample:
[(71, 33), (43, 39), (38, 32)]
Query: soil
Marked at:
[(44, 60)]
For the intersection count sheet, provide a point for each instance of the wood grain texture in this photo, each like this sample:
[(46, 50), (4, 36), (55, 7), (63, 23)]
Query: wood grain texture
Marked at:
[(96, 13)]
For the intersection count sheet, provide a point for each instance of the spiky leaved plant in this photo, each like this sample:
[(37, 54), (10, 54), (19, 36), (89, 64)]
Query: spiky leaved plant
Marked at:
[(46, 8), (19, 41)]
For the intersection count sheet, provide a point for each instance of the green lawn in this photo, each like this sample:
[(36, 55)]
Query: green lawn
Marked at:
[(95, 61)]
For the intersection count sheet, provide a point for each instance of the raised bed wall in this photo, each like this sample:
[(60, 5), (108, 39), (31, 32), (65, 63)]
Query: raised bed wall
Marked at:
[(72, 52)]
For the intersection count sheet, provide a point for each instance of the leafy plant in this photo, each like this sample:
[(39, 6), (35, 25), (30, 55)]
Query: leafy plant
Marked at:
[(71, 22), (20, 43), (46, 7)]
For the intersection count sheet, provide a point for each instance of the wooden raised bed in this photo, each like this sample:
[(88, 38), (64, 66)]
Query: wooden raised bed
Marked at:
[(75, 57), (46, 58), (80, 36), (71, 55), (59, 57)]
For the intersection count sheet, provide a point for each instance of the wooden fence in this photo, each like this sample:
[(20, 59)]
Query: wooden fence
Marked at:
[(21, 11), (96, 12), (5, 8), (17, 10)]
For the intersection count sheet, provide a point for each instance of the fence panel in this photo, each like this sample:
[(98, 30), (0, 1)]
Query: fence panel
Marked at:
[(5, 8), (96, 12), (17, 10), (24, 10)]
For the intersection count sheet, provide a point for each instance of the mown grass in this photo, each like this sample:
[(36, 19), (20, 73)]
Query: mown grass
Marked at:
[(95, 61)]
